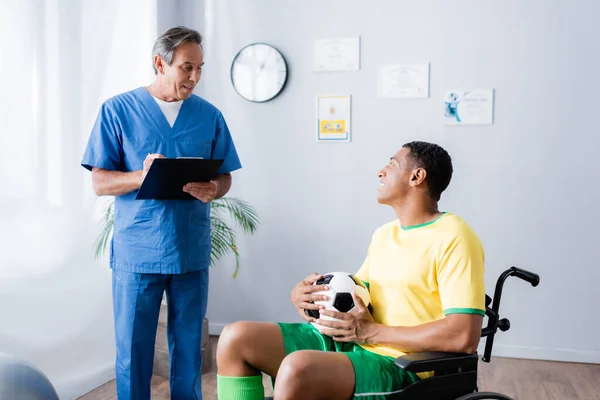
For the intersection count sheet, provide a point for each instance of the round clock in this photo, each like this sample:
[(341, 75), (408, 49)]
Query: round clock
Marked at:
[(259, 72)]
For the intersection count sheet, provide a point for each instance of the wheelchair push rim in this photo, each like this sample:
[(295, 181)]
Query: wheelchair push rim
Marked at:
[(484, 396)]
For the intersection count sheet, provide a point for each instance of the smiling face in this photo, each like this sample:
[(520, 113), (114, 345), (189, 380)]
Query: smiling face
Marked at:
[(181, 77), (398, 178), (417, 169)]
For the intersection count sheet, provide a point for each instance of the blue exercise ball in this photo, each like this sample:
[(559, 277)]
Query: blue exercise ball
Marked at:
[(20, 380)]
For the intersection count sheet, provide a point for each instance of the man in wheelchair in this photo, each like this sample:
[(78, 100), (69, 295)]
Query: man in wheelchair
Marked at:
[(425, 272)]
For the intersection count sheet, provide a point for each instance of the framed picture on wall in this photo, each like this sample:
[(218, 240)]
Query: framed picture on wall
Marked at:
[(398, 81), (334, 118), (341, 54), (469, 107)]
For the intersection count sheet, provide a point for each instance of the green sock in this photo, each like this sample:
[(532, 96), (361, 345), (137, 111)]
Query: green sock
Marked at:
[(240, 388)]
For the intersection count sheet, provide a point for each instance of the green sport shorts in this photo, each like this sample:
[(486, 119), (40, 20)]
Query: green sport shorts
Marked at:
[(376, 376)]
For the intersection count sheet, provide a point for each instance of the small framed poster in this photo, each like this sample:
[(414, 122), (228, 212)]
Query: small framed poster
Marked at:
[(333, 118)]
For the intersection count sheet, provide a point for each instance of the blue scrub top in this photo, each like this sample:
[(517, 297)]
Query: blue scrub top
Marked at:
[(158, 236)]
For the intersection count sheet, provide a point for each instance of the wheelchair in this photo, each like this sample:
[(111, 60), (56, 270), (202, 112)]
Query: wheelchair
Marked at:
[(455, 374)]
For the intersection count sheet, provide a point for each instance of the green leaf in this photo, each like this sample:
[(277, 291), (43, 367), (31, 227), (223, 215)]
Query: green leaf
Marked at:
[(106, 228), (242, 212)]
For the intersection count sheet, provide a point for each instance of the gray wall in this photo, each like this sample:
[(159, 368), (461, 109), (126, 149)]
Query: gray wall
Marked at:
[(526, 184)]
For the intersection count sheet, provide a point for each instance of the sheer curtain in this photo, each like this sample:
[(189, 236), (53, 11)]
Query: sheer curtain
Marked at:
[(59, 59)]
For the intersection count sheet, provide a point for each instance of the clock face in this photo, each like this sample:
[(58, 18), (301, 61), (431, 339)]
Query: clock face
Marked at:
[(258, 72)]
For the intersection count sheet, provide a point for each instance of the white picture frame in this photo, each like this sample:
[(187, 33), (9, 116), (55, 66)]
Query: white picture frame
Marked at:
[(403, 81), (334, 118), (469, 107), (341, 54)]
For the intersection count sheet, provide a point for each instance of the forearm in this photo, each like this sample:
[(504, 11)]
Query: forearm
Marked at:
[(223, 185), (115, 183), (439, 335)]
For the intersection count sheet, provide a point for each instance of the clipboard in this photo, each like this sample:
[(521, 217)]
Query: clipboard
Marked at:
[(167, 177)]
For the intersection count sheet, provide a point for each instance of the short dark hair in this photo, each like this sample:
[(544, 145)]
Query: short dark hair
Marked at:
[(171, 39), (436, 161)]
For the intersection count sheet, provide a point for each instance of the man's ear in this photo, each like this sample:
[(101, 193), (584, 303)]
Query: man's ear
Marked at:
[(418, 176), (159, 64)]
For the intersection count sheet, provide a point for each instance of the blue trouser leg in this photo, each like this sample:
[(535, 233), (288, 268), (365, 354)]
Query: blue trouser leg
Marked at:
[(187, 295), (136, 302)]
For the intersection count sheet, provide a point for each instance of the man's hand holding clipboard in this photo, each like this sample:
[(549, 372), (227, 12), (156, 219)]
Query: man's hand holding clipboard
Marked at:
[(203, 191)]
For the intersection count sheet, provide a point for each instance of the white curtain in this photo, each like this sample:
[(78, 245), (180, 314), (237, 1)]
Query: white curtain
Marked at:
[(59, 60)]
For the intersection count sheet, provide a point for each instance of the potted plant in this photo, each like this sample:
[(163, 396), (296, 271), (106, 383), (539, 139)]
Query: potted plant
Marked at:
[(223, 241)]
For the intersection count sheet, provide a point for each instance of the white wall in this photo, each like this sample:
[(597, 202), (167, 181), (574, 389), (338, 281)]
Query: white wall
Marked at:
[(526, 184)]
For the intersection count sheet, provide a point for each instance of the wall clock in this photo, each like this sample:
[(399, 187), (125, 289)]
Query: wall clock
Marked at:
[(259, 72)]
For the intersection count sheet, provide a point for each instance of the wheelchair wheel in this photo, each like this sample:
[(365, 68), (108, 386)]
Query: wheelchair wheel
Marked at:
[(484, 396)]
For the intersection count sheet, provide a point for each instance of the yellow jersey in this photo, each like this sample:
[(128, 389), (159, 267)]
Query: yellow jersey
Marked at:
[(419, 274)]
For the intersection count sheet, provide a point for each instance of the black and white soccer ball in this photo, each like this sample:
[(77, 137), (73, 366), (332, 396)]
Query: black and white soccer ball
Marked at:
[(341, 285)]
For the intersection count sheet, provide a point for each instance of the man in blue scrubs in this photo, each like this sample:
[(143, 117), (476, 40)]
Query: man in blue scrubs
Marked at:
[(160, 246)]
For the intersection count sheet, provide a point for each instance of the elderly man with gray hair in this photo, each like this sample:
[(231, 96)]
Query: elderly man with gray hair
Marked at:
[(160, 246)]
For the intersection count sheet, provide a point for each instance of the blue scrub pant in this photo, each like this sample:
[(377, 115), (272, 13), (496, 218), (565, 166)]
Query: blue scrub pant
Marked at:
[(136, 303)]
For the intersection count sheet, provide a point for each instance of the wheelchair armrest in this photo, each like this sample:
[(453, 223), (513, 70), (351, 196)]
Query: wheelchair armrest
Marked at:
[(436, 361)]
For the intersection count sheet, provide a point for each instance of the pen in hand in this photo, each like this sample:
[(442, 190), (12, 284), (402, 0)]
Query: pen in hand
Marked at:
[(148, 162)]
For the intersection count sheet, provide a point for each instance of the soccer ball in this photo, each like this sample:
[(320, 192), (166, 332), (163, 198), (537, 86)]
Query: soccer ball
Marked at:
[(339, 296)]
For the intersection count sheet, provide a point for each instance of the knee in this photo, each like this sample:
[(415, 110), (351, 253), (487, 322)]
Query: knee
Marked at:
[(293, 375), (233, 340)]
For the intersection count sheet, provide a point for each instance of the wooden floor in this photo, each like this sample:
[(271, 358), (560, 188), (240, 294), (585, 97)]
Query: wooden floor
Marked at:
[(516, 378)]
